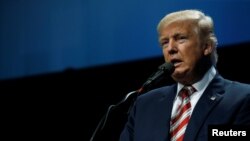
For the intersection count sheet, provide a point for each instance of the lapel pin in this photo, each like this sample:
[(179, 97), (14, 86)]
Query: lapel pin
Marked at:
[(212, 97)]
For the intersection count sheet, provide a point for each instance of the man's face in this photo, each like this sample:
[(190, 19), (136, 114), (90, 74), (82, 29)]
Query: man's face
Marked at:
[(181, 46)]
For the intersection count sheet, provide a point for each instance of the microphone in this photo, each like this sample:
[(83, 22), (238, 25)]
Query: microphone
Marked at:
[(165, 68), (123, 107)]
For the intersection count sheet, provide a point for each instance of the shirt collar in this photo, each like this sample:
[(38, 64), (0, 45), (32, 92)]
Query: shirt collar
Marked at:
[(206, 79)]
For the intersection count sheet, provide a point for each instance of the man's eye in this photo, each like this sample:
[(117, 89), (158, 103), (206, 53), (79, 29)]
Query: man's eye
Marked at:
[(182, 39), (164, 44)]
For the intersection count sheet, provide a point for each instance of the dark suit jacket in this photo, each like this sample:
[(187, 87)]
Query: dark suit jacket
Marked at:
[(223, 102)]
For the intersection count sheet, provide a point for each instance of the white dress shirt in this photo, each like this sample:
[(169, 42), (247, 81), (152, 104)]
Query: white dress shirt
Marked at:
[(200, 87)]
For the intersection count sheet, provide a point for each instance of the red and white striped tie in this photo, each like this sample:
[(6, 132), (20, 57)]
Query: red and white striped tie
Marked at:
[(180, 119)]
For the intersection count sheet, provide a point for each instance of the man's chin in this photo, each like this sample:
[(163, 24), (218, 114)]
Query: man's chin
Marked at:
[(177, 76)]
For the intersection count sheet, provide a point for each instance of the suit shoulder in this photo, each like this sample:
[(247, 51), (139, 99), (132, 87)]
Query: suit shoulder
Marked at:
[(240, 85)]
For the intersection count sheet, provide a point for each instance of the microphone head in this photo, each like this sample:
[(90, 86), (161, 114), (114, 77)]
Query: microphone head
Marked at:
[(165, 68), (169, 67)]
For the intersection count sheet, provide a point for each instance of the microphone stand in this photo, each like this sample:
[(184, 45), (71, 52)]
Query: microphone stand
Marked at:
[(122, 108), (125, 105)]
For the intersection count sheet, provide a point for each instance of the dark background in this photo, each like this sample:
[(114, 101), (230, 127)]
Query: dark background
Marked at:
[(69, 104)]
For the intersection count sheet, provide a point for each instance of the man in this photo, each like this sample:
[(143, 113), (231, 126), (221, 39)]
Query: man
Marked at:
[(163, 114)]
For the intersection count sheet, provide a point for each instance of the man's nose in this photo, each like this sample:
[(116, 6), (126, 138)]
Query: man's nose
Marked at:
[(172, 47)]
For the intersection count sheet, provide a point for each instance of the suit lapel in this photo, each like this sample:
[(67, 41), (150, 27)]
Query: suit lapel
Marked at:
[(207, 102), (165, 101)]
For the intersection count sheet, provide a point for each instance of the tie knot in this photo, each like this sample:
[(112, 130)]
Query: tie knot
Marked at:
[(186, 91)]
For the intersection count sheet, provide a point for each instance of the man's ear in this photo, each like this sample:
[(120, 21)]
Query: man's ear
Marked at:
[(208, 48)]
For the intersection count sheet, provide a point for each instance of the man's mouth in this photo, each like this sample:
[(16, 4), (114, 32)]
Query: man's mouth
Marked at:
[(176, 62)]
